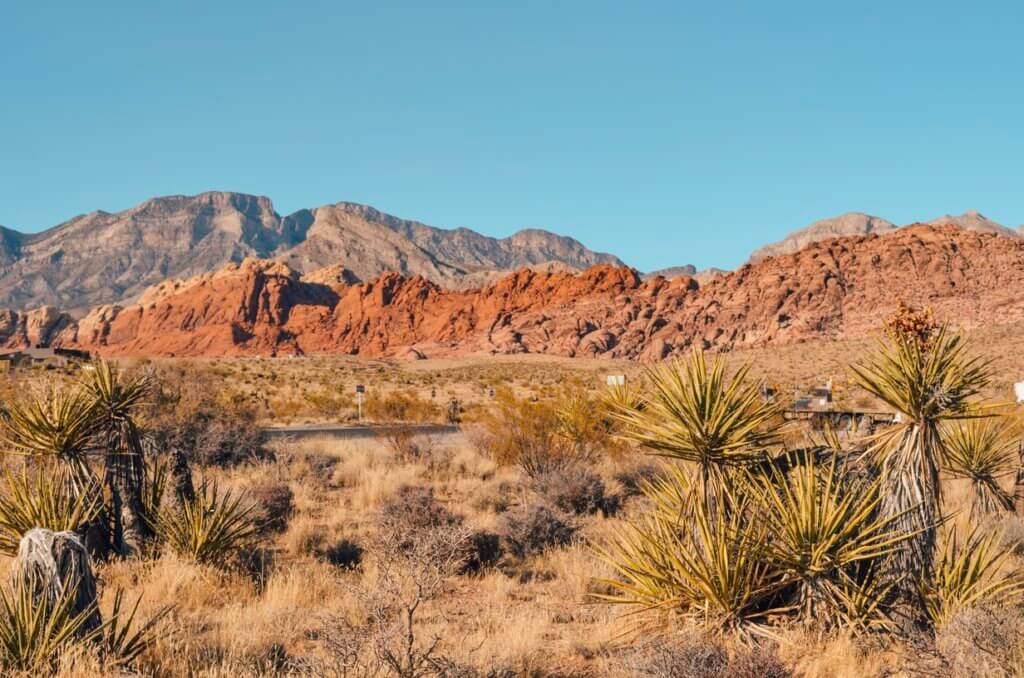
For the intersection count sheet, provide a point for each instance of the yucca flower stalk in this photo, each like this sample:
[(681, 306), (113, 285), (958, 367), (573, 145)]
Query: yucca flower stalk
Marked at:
[(821, 522), (928, 378), (691, 411), (983, 451)]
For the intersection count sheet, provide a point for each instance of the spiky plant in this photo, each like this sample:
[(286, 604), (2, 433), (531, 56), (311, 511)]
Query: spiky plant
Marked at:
[(53, 426), (48, 499), (983, 451), (969, 574), (123, 641), (694, 412), (928, 378), (35, 631), (211, 527), (116, 400), (822, 521), (693, 562)]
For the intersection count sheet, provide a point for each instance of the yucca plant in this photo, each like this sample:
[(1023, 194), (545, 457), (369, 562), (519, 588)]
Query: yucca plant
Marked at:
[(969, 574), (821, 522), (115, 401), (693, 562), (53, 426), (211, 527), (983, 451), (691, 411), (122, 641), (928, 378), (51, 499), (35, 631)]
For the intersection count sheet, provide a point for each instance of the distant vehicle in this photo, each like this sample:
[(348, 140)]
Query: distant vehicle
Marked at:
[(1018, 390)]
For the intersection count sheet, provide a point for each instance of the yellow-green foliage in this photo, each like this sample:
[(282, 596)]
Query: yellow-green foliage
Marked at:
[(50, 499), (969, 573), (210, 528)]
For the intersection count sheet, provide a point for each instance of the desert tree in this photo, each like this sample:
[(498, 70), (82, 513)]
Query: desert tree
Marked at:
[(923, 371), (116, 400)]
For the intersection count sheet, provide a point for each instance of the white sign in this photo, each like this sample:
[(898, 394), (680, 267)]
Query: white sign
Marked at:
[(1018, 390), (616, 380)]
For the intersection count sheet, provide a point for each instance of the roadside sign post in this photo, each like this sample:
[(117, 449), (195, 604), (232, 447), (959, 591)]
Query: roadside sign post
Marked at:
[(360, 390)]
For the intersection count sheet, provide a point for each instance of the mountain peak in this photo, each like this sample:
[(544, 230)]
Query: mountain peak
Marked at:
[(850, 223)]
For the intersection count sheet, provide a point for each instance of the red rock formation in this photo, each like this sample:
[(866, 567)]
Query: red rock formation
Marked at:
[(836, 288)]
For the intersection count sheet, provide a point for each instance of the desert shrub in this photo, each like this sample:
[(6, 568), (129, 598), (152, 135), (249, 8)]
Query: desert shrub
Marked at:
[(215, 438), (691, 655), (497, 498), (191, 412), (983, 641), (575, 490), (211, 528), (633, 478), (483, 550), (757, 662), (1012, 529), (401, 407), (275, 503), (534, 435), (688, 656), (529, 530), (344, 553), (405, 444), (413, 509)]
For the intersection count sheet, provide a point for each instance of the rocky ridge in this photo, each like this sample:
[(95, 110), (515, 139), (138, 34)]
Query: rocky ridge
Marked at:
[(833, 288)]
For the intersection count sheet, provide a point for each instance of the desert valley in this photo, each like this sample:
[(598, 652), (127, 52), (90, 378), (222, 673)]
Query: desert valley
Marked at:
[(341, 443)]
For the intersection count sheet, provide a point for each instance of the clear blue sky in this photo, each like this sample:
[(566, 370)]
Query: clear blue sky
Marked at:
[(667, 133)]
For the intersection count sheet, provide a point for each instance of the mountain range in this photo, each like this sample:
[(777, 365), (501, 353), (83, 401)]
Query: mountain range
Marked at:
[(101, 257), (833, 288)]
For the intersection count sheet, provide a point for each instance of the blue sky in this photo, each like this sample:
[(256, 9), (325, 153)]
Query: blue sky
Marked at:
[(667, 133)]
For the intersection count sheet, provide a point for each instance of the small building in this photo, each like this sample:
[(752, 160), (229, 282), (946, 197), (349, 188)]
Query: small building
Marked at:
[(40, 355)]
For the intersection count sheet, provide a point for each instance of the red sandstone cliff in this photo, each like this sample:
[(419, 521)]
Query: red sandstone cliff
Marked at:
[(835, 288)]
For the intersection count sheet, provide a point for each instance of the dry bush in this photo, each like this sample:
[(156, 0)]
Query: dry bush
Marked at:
[(576, 490), (412, 565), (530, 530), (401, 407), (986, 641), (188, 414), (275, 504), (537, 436), (689, 655), (407, 445)]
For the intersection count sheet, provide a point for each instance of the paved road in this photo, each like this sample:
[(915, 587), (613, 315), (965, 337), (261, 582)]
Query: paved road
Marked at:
[(352, 432)]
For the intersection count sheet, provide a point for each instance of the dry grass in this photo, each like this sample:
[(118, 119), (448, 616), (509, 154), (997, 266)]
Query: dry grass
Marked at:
[(273, 615)]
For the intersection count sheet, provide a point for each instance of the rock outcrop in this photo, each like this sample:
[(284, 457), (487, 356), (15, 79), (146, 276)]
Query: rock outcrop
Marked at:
[(835, 288)]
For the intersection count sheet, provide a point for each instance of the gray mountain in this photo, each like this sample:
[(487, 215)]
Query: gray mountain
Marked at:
[(973, 220), (851, 223), (102, 257)]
